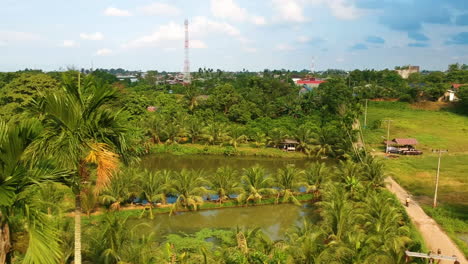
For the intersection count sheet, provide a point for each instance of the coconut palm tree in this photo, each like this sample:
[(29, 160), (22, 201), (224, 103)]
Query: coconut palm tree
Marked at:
[(373, 171), (194, 129), (315, 175), (305, 136), (215, 132), (154, 126), (256, 184), (20, 175), (306, 242), (276, 135), (189, 186), (288, 180), (260, 139), (225, 181), (337, 212), (80, 130), (236, 136), (121, 189), (155, 186)]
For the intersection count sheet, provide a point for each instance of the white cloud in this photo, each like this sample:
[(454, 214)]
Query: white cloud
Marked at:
[(258, 20), (160, 9), (250, 49), (173, 34), (229, 9), (112, 11), (103, 52), (303, 39), (284, 47), (197, 44), (92, 36), (17, 36), (342, 9), (69, 43), (289, 10), (2, 43)]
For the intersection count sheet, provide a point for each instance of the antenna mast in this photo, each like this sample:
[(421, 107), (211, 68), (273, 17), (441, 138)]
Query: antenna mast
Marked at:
[(186, 62)]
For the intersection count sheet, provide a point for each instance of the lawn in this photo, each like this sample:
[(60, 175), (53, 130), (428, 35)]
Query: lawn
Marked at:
[(433, 129)]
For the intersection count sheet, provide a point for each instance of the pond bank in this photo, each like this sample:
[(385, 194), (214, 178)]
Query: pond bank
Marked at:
[(135, 211), (243, 150)]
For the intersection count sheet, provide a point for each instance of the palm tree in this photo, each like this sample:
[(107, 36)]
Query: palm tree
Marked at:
[(80, 129), (172, 130), (215, 132), (307, 242), (120, 190), (225, 182), (154, 126), (337, 212), (20, 175), (260, 139), (236, 136), (304, 135), (194, 129), (256, 184), (155, 187), (288, 180), (350, 173), (373, 171), (277, 135), (315, 175), (190, 187)]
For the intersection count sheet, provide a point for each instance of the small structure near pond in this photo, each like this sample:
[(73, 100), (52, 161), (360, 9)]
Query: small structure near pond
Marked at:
[(404, 146), (288, 145)]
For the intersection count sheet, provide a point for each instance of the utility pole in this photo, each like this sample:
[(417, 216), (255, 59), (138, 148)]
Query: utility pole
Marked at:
[(365, 115), (437, 176), (388, 133)]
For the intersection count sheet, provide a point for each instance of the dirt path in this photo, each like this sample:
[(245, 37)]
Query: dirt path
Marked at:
[(433, 235)]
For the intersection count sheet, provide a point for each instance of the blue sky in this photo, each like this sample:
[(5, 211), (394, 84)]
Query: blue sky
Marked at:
[(233, 34)]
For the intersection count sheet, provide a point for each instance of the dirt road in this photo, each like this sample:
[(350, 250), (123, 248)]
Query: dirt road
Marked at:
[(433, 235)]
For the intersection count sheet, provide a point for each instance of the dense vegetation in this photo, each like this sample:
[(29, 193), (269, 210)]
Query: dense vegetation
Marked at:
[(72, 131)]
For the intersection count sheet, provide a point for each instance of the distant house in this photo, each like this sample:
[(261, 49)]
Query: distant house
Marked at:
[(405, 146), (451, 94), (307, 84)]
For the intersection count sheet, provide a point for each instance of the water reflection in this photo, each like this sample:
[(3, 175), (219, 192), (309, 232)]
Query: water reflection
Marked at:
[(275, 220)]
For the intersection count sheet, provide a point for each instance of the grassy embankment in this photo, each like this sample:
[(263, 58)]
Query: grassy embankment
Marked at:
[(242, 150), (137, 210), (434, 129)]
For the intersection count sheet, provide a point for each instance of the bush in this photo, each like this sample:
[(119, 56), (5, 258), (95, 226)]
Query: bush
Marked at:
[(406, 98)]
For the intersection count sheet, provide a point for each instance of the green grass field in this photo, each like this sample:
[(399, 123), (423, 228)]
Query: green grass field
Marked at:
[(433, 129)]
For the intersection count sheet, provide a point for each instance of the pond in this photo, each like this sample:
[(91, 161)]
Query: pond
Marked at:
[(210, 163), (275, 220)]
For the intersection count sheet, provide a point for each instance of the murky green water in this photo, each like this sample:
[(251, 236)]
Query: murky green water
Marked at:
[(274, 220), (212, 162)]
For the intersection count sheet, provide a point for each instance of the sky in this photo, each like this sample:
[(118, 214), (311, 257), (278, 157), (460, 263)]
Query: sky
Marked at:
[(233, 34)]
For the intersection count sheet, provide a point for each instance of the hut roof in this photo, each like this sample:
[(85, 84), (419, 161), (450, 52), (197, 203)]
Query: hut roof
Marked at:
[(290, 141), (403, 141)]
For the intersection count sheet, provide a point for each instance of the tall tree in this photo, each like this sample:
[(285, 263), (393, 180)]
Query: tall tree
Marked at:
[(80, 129), (19, 177)]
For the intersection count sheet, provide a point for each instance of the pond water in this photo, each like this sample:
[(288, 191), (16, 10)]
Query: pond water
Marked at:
[(275, 220), (210, 163)]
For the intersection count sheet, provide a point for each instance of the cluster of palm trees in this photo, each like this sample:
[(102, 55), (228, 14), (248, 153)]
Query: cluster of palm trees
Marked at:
[(313, 141), (366, 226), (191, 188)]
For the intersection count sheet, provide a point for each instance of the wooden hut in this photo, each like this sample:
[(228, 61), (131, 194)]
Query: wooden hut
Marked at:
[(288, 145)]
